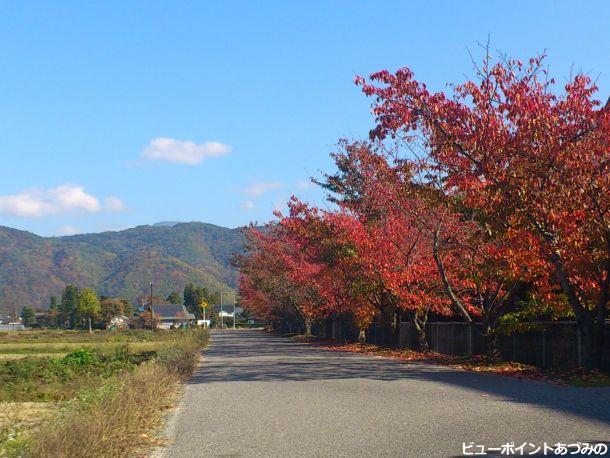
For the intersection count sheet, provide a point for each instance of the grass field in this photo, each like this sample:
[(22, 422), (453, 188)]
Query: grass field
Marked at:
[(15, 350), (57, 335), (58, 343), (107, 385)]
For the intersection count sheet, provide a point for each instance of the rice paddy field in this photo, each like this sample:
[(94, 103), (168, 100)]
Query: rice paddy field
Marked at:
[(17, 350)]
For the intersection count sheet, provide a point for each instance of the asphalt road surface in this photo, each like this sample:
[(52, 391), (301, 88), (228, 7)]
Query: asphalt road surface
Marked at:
[(257, 395)]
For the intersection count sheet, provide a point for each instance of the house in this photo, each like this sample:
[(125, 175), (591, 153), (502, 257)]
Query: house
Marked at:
[(118, 322), (227, 310), (169, 316)]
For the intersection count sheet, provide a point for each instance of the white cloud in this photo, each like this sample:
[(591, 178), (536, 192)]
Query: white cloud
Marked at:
[(258, 189), (37, 203), (247, 205), (28, 204), (114, 204), (68, 230), (70, 197), (181, 151)]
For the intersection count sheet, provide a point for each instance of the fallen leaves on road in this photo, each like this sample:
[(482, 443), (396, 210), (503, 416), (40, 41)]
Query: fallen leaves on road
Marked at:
[(478, 363)]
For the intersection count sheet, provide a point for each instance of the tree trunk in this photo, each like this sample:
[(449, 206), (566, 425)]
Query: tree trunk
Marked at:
[(493, 312), (396, 328), (308, 327), (361, 335), (90, 330), (590, 323), (491, 338), (599, 338), (422, 339), (419, 320), (457, 303)]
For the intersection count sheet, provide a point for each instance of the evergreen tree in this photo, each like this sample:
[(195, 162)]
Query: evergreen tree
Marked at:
[(28, 316), (53, 304), (69, 306), (174, 298), (50, 319), (188, 295), (194, 297)]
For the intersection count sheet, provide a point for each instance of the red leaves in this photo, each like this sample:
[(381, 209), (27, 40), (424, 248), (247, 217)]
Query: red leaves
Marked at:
[(521, 157), (479, 363), (505, 183)]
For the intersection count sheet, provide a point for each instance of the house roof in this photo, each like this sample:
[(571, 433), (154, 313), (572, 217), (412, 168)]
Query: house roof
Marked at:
[(119, 317), (172, 312)]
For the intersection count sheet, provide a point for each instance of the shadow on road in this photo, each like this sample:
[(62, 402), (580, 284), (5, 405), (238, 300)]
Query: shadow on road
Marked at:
[(255, 356)]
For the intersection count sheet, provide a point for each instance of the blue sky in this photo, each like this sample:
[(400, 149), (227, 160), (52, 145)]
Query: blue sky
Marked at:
[(116, 114)]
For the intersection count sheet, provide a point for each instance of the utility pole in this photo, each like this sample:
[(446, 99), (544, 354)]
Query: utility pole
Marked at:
[(150, 306), (14, 318), (221, 317), (234, 312)]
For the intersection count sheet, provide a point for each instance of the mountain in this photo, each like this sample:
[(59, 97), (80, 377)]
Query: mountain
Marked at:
[(33, 268), (166, 223)]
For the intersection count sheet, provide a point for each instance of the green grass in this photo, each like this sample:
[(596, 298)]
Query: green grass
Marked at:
[(56, 379), (58, 343), (45, 366), (25, 348), (68, 336)]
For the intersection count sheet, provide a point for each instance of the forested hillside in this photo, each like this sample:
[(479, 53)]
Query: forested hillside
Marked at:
[(32, 268)]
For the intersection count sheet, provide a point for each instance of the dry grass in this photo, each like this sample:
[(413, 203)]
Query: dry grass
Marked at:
[(113, 420), (11, 356), (117, 418), (18, 416)]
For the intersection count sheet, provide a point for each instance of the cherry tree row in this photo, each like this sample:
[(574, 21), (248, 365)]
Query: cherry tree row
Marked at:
[(489, 202)]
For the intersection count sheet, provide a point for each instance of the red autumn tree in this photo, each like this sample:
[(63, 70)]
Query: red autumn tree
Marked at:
[(271, 275), (390, 245), (303, 268), (342, 283), (413, 216), (532, 164)]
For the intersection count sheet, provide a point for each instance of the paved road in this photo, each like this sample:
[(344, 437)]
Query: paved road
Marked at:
[(262, 396)]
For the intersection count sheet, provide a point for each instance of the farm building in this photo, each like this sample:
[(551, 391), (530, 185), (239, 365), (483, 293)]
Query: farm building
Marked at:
[(169, 316), (118, 322)]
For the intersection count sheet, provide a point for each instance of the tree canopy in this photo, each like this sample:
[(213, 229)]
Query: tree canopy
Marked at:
[(470, 202)]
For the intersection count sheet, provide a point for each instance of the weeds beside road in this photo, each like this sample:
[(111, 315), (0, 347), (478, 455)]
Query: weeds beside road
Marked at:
[(105, 401)]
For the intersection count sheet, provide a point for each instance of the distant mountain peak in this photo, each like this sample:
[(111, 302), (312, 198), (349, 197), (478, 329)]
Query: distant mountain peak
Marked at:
[(166, 223)]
